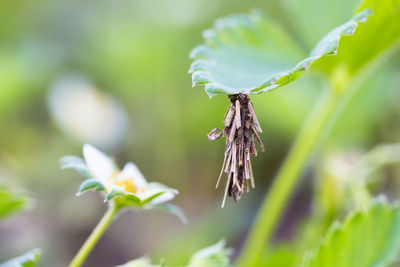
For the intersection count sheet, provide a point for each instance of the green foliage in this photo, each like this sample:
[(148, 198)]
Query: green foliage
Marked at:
[(340, 181), (366, 238), (11, 201), (123, 199), (90, 184), (358, 57), (373, 42), (252, 54), (213, 256), (282, 255), (29, 259)]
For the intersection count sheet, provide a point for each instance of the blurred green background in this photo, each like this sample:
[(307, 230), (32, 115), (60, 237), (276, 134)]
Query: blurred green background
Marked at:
[(114, 74)]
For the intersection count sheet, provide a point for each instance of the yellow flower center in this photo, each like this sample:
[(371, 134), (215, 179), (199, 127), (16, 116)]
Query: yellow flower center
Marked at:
[(127, 185)]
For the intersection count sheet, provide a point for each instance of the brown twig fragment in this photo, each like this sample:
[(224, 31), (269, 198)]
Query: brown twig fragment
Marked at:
[(229, 115), (241, 131)]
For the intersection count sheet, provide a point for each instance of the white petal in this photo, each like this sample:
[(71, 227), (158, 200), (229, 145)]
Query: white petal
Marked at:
[(99, 164), (163, 198), (131, 171), (154, 188)]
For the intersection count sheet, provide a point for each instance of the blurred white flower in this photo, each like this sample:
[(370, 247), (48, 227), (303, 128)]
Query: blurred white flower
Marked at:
[(127, 186), (86, 113)]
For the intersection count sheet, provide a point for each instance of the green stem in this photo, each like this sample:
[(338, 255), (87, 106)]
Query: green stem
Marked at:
[(94, 237), (275, 201)]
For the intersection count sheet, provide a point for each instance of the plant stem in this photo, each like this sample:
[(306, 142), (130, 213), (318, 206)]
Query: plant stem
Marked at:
[(275, 201), (94, 237)]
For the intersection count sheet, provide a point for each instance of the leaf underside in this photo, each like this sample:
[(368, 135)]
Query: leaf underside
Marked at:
[(251, 54), (90, 184), (123, 198), (365, 238)]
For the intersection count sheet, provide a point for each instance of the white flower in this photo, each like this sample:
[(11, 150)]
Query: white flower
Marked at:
[(128, 187)]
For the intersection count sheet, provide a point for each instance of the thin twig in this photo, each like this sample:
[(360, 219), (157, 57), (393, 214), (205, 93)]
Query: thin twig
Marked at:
[(226, 190), (229, 115), (222, 170), (254, 117), (237, 115)]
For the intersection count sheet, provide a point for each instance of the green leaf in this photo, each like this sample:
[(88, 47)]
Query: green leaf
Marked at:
[(123, 199), (172, 209), (115, 193), (90, 184), (76, 163), (29, 259), (373, 42), (365, 238), (132, 199), (214, 256), (149, 199), (251, 54), (11, 201), (330, 43)]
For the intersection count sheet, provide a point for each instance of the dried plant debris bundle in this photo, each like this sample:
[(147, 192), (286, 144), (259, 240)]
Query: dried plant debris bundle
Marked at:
[(241, 131)]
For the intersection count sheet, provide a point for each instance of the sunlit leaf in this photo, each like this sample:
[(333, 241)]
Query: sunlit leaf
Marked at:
[(29, 259), (371, 44), (251, 54), (365, 238), (11, 201)]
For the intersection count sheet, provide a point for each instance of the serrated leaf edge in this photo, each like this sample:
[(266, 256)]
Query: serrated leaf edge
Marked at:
[(200, 76), (337, 227)]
